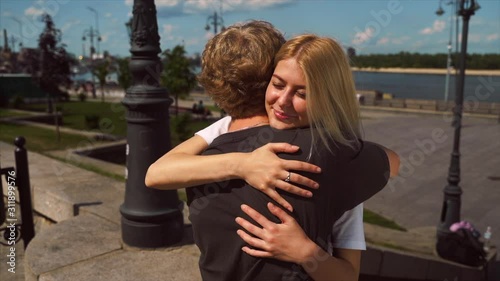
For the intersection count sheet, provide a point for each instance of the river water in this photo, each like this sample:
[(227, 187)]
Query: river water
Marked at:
[(415, 86), (428, 86)]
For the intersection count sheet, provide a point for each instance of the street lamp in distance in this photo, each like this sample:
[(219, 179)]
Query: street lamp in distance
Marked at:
[(440, 12), (96, 26), (215, 21), (91, 33), (450, 212)]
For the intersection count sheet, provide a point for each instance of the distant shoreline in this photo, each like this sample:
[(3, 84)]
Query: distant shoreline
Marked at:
[(427, 71)]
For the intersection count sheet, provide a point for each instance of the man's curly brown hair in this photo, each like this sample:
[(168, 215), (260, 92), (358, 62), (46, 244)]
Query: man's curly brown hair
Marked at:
[(237, 65)]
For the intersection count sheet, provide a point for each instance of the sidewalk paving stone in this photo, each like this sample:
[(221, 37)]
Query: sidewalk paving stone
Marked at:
[(54, 248)]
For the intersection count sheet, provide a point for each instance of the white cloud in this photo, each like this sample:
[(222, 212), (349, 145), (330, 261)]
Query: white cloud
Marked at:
[(208, 35), (108, 15), (179, 7), (493, 37), (417, 45), (438, 26), (230, 5), (105, 37), (400, 40), (167, 30), (192, 41), (392, 41), (477, 21), (383, 41), (426, 30), (363, 36), (193, 6), (32, 11), (471, 38), (474, 38), (167, 3), (69, 25)]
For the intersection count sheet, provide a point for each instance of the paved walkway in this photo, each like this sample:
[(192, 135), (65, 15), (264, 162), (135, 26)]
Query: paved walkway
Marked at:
[(424, 143), (88, 246)]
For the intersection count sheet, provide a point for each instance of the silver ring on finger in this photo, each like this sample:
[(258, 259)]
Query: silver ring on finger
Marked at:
[(288, 177)]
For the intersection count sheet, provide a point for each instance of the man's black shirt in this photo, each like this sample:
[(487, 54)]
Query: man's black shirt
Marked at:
[(349, 177)]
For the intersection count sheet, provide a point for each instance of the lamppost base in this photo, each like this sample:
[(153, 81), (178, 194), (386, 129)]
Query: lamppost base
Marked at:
[(442, 233), (153, 234)]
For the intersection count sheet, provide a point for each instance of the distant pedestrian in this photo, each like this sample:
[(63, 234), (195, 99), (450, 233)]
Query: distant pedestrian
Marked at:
[(201, 107)]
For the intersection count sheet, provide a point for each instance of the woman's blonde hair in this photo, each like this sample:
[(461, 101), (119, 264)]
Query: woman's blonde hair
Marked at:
[(331, 101), (237, 65)]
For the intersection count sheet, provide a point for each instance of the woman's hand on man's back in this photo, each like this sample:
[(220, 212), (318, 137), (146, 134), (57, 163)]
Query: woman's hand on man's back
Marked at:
[(265, 171)]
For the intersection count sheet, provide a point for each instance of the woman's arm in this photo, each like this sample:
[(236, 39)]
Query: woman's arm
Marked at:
[(393, 161), (262, 168), (181, 167), (393, 158), (348, 231), (288, 242)]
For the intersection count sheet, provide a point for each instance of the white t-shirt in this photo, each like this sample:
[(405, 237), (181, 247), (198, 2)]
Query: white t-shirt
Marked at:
[(347, 232)]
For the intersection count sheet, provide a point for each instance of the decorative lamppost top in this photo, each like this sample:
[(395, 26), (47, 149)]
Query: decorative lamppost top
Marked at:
[(144, 28), (467, 8)]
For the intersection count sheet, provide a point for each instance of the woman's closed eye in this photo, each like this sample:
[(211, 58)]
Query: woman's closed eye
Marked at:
[(278, 86), (301, 95)]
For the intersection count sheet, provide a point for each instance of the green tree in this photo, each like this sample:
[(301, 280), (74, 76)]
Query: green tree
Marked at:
[(101, 71), (54, 65), (195, 60), (124, 76), (351, 52), (178, 76)]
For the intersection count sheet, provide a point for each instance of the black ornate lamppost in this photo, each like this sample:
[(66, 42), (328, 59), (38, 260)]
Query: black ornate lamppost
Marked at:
[(450, 212), (150, 218), (215, 21)]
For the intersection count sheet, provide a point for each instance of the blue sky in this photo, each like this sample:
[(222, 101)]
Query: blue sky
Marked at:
[(371, 26)]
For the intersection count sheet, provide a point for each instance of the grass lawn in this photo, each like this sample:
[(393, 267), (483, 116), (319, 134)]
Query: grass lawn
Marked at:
[(11, 113), (373, 218), (74, 113), (40, 140)]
